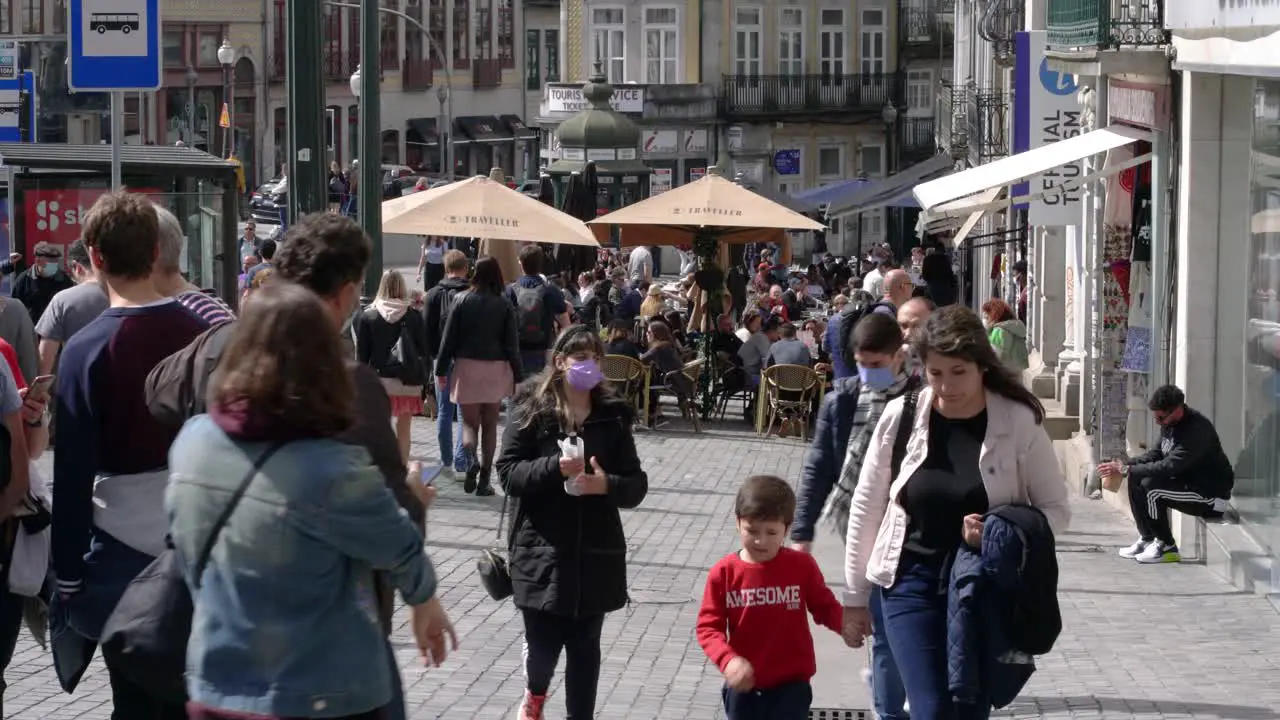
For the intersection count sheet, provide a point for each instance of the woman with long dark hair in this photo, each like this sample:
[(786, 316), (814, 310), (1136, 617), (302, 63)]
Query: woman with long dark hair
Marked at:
[(311, 516), (480, 346), (977, 442), (569, 461)]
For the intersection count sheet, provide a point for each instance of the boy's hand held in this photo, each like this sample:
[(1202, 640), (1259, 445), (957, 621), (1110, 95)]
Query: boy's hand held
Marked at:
[(740, 675), (857, 626)]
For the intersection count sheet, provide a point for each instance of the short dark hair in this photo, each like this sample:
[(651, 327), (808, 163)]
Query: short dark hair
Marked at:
[(877, 333), (323, 252), (1166, 398), (487, 276), (124, 229), (268, 249), (282, 369), (79, 254), (787, 330), (531, 259), (766, 497)]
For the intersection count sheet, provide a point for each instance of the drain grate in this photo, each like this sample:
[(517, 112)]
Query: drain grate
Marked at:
[(839, 714)]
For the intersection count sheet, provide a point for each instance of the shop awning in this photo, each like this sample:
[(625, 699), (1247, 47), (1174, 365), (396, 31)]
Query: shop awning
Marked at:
[(893, 191), (517, 128), (483, 128), (824, 194), (983, 198), (1015, 168), (421, 131), (1248, 53)]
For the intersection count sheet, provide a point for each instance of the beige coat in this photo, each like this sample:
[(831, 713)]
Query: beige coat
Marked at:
[(1017, 462)]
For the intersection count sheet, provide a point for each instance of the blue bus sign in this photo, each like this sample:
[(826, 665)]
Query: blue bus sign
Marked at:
[(115, 45), (12, 103)]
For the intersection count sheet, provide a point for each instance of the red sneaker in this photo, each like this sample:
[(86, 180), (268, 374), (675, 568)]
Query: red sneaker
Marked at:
[(531, 708)]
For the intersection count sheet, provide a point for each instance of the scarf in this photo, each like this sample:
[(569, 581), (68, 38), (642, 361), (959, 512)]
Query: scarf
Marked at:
[(835, 512)]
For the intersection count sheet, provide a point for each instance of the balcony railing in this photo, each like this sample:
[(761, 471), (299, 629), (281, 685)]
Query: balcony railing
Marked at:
[(925, 26), (486, 73), (952, 132), (416, 74), (1106, 24), (988, 116), (919, 136), (759, 95)]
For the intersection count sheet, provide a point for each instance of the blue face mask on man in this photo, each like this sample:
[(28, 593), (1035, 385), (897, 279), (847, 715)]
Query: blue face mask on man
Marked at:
[(877, 378), (49, 269)]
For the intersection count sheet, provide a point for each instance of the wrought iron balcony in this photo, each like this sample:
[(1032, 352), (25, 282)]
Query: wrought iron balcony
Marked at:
[(952, 130), (926, 29), (760, 96), (917, 138), (1106, 24), (988, 117), (486, 73), (416, 74)]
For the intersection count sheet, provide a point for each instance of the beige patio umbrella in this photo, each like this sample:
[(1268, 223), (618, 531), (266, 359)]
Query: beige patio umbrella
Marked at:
[(710, 208), (483, 208)]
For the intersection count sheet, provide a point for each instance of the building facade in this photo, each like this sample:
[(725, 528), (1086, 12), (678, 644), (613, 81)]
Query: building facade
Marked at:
[(651, 52)]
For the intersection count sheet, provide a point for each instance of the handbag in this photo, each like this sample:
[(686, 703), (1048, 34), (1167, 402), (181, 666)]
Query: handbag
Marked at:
[(495, 574), (29, 563), (145, 638)]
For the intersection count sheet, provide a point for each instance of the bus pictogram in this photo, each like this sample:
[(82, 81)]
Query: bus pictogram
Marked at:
[(122, 22)]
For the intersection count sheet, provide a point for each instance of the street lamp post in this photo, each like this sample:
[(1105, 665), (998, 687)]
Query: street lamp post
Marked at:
[(889, 114), (192, 78), (364, 85), (444, 135), (227, 57)]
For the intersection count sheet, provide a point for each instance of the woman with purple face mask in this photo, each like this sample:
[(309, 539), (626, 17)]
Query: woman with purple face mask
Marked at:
[(569, 462)]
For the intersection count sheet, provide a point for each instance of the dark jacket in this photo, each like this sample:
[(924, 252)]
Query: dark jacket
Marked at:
[(439, 303), (175, 394), (376, 337), (569, 553), (35, 291), (1002, 606), (1191, 452), (825, 459), (480, 327)]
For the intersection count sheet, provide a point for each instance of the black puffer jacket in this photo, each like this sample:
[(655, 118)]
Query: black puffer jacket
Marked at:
[(569, 553)]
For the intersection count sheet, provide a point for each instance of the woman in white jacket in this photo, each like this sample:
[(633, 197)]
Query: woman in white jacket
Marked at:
[(976, 443)]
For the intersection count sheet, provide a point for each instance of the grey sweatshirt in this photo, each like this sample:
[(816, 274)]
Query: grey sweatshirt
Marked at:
[(17, 329)]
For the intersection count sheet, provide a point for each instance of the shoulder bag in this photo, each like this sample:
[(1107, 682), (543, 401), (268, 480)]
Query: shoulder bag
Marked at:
[(495, 574), (145, 638)]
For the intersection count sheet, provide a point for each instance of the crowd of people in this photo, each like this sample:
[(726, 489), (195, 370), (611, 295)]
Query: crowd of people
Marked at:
[(270, 449)]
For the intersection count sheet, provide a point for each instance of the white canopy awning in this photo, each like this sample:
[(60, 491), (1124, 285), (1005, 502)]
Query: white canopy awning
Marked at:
[(1015, 168), (1233, 51)]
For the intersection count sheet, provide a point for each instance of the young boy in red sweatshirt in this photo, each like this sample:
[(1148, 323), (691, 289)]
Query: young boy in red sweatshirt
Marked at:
[(753, 623)]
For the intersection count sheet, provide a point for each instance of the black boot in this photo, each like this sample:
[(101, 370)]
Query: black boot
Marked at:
[(469, 484), (484, 489)]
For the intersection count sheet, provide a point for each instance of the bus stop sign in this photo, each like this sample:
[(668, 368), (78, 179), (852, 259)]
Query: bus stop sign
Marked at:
[(115, 45)]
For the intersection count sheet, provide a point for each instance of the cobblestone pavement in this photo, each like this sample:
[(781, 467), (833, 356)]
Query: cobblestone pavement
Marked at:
[(1140, 642)]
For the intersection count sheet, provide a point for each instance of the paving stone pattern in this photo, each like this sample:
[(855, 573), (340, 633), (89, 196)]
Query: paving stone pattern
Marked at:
[(1140, 642)]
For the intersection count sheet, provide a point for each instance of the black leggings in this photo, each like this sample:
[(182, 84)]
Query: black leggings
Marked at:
[(545, 635)]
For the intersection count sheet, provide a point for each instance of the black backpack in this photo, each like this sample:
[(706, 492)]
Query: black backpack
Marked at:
[(403, 361), (849, 319), (531, 315)]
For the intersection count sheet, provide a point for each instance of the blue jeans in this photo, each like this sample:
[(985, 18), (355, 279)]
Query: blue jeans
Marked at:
[(915, 621), (887, 691), (445, 412), (785, 702)]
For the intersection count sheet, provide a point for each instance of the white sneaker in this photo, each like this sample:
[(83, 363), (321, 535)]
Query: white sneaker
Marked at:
[(447, 474), (1134, 550), (1158, 552)]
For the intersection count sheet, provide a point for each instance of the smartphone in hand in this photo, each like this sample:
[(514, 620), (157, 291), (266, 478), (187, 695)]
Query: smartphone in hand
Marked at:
[(41, 386)]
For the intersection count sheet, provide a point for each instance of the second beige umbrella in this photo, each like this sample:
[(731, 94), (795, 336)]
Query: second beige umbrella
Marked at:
[(482, 208)]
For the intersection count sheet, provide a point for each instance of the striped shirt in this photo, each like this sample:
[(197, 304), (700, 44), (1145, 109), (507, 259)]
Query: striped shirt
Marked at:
[(209, 308)]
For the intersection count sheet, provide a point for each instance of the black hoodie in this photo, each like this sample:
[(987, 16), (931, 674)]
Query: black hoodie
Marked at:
[(438, 304)]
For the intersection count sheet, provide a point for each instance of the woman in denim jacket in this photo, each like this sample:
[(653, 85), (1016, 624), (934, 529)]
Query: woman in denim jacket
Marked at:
[(285, 621)]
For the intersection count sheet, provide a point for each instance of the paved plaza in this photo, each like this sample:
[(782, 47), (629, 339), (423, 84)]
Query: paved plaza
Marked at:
[(1140, 641)]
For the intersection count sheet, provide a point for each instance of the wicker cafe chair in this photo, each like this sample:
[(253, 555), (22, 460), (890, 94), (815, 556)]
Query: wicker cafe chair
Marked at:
[(627, 375), (789, 393)]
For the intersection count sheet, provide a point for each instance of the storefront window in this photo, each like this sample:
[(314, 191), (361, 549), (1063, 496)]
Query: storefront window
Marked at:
[(1257, 486)]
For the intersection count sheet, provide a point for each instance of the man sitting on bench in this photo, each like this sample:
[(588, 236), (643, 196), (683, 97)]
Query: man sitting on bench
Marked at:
[(1187, 472)]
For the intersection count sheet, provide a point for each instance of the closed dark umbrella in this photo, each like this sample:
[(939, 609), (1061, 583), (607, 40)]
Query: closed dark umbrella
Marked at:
[(546, 190), (579, 202)]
